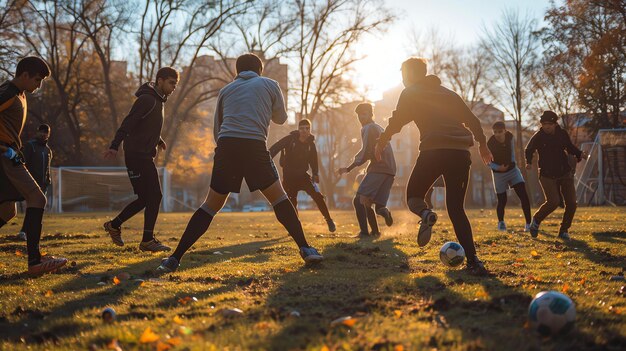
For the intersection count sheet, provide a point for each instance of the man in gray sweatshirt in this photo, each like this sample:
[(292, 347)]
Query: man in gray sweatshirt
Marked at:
[(376, 185), (245, 108)]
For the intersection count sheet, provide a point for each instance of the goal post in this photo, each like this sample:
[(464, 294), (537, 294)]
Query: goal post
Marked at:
[(90, 189), (601, 179)]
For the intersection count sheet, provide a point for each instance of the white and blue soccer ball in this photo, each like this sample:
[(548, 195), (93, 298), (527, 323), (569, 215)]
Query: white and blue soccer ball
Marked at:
[(552, 313), (452, 254)]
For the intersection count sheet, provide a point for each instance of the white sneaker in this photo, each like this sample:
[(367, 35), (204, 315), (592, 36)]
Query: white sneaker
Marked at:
[(502, 226), (21, 236)]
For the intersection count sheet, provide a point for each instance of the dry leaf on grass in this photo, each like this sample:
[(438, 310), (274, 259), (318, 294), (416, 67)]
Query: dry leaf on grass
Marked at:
[(148, 336)]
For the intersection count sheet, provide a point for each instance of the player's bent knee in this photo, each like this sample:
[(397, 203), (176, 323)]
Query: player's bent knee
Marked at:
[(36, 199)]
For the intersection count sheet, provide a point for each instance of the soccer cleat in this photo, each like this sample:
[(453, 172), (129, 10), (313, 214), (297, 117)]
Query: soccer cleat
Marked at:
[(114, 233), (168, 265), (475, 266), (534, 228), (47, 264), (385, 213), (331, 225), (429, 218), (310, 255), (564, 236), (527, 227), (502, 226), (21, 236), (153, 245)]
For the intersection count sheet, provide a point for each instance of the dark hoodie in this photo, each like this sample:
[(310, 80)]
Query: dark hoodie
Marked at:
[(552, 149), (441, 116), (296, 156), (141, 128), (37, 155)]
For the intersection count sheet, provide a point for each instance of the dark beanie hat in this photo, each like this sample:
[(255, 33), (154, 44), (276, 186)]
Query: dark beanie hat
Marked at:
[(549, 116)]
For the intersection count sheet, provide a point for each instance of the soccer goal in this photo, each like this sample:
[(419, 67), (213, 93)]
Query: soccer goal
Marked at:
[(86, 189), (601, 179)]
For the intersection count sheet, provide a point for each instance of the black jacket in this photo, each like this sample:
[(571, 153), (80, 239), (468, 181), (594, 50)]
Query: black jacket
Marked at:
[(440, 114), (296, 157), (38, 156), (503, 153), (141, 128), (553, 150)]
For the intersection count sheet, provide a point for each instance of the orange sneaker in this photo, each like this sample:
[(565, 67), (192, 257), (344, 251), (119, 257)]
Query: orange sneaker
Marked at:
[(48, 264)]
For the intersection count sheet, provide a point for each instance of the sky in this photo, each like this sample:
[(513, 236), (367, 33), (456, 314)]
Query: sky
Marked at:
[(461, 19)]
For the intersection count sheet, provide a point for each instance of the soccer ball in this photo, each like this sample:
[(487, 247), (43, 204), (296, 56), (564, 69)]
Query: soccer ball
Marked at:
[(452, 254), (551, 313)]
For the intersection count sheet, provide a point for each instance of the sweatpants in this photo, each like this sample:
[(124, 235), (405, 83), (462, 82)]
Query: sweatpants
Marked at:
[(552, 188)]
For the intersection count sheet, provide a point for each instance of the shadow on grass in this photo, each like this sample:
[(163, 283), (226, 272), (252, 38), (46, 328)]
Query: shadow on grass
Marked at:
[(597, 255), (335, 288), (31, 326)]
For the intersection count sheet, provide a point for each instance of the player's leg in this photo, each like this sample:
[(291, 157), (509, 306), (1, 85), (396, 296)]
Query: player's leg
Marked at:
[(456, 177), (150, 192), (361, 215), (314, 192), (8, 210), (370, 214), (114, 226), (502, 200), (291, 188), (382, 197), (522, 194), (428, 168), (200, 222), (24, 183), (568, 190), (551, 193)]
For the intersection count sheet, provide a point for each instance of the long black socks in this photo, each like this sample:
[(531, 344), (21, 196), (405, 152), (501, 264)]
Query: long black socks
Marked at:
[(197, 226)]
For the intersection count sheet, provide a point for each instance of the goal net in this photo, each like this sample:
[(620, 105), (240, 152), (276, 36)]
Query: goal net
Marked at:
[(601, 179), (84, 189)]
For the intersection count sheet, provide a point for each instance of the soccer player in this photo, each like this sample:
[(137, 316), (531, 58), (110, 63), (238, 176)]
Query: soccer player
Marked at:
[(37, 157), (243, 113), (443, 119), (141, 133), (16, 183), (556, 175), (376, 185), (297, 153), (505, 173)]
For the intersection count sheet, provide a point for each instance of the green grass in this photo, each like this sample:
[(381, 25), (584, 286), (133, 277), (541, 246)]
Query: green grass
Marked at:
[(401, 296)]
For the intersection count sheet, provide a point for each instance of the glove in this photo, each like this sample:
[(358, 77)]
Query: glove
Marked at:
[(10, 154)]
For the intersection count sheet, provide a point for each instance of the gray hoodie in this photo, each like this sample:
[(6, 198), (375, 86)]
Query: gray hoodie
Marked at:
[(369, 135), (246, 105)]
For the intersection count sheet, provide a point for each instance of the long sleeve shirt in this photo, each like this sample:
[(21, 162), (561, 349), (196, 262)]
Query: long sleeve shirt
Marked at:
[(552, 150)]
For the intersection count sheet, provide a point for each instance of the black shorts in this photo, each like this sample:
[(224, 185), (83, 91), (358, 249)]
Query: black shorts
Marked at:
[(293, 184), (144, 176), (237, 159)]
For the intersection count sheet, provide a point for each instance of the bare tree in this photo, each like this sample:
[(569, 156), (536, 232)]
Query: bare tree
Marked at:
[(51, 33), (9, 43), (327, 32), (166, 42), (101, 22), (512, 45)]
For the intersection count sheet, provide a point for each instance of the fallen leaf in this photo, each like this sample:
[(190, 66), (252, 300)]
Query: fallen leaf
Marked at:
[(398, 313), (161, 346), (534, 254), (175, 341), (519, 260), (324, 348), (178, 320), (347, 321), (582, 281), (182, 330), (482, 294), (48, 293), (148, 336), (262, 325), (116, 280), (398, 348), (559, 256), (18, 253), (565, 288)]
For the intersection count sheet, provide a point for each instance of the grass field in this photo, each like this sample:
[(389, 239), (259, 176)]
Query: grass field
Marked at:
[(400, 296)]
